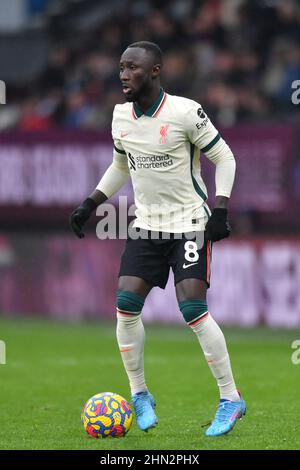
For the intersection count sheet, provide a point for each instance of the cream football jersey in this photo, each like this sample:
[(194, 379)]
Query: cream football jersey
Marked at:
[(162, 147)]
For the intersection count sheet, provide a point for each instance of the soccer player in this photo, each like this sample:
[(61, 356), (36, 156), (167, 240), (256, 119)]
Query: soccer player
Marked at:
[(157, 138)]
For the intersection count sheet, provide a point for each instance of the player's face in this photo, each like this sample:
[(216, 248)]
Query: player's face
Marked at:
[(137, 71)]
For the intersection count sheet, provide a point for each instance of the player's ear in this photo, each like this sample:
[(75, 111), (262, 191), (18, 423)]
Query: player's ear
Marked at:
[(156, 70)]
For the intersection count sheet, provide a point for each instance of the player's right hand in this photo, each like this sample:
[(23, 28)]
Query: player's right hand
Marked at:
[(80, 216)]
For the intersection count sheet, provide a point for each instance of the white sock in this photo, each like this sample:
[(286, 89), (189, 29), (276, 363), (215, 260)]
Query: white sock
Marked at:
[(131, 338), (213, 344)]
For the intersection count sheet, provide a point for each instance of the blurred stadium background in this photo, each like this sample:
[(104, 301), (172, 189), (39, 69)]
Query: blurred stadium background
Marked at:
[(59, 60)]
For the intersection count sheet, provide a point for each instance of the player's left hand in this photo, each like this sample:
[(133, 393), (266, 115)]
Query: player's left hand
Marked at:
[(217, 226)]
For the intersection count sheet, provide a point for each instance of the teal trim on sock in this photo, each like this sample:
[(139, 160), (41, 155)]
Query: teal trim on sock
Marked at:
[(192, 309), (129, 302)]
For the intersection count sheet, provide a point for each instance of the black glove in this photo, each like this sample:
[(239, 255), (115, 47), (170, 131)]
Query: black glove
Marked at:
[(217, 226), (79, 217)]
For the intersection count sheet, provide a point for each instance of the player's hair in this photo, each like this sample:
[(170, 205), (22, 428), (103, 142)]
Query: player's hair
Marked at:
[(151, 47)]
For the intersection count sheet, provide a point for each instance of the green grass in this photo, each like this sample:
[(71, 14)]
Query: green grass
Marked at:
[(52, 369)]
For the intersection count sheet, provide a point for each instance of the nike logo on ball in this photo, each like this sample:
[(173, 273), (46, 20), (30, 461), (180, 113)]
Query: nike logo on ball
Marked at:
[(188, 265), (124, 134)]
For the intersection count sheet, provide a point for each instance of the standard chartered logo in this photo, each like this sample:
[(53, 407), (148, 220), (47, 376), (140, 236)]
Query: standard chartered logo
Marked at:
[(149, 161), (153, 161), (2, 352), (2, 92)]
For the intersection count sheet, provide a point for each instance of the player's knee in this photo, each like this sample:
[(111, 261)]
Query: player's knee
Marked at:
[(193, 310), (129, 302)]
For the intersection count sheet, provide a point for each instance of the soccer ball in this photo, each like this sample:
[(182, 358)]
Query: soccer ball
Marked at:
[(106, 415)]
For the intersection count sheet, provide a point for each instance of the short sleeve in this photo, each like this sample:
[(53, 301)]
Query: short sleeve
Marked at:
[(199, 128)]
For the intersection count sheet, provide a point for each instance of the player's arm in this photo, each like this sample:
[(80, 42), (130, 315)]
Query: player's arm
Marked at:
[(220, 154), (202, 133), (113, 179)]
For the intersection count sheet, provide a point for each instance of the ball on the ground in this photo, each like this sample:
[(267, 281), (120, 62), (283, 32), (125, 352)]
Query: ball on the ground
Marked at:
[(106, 415)]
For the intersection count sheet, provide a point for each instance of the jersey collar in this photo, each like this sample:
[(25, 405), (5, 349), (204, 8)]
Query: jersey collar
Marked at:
[(153, 110)]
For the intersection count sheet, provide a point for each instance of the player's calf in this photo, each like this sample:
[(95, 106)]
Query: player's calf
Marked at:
[(231, 407)]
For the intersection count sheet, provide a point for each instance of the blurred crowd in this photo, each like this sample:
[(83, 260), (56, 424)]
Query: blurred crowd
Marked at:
[(238, 58)]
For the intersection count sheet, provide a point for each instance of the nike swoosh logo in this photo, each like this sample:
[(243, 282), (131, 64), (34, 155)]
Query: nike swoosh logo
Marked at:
[(188, 265), (124, 134)]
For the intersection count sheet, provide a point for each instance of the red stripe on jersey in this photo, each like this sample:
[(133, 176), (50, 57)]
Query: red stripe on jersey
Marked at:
[(133, 113), (160, 106), (208, 261)]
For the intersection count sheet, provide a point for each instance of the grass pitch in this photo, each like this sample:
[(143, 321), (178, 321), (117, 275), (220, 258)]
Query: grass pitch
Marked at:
[(52, 369)]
